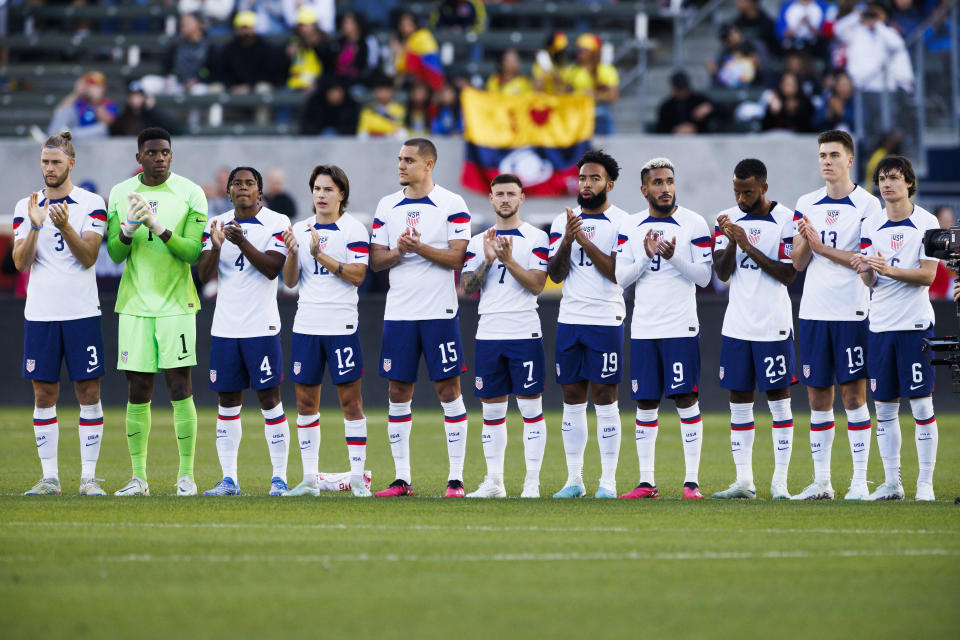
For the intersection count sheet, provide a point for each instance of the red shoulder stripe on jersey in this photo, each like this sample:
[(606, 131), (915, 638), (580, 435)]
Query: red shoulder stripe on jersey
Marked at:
[(621, 239), (377, 223), (542, 252), (555, 236), (99, 214), (459, 218), (797, 215), (278, 236), (17, 222), (866, 243), (702, 241), (359, 247), (716, 232)]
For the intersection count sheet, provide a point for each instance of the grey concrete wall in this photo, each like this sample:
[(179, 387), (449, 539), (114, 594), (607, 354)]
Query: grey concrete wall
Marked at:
[(704, 167)]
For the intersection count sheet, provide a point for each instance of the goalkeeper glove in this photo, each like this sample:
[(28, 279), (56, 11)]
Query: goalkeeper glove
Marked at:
[(140, 212)]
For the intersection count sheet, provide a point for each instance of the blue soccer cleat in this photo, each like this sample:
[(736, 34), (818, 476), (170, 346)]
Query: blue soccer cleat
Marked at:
[(604, 492), (571, 491), (278, 486), (226, 487)]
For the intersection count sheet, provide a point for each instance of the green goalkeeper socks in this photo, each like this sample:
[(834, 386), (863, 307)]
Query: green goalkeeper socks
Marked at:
[(138, 432), (185, 423)]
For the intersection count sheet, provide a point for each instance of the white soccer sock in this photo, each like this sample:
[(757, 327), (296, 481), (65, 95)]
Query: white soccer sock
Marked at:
[(47, 432), (308, 432), (608, 439), (647, 428), (355, 432), (691, 428), (782, 434), (858, 432), (90, 429), (742, 432), (889, 439), (927, 436), (455, 424), (399, 424), (534, 435), (494, 437), (574, 433), (821, 443), (229, 433), (277, 432)]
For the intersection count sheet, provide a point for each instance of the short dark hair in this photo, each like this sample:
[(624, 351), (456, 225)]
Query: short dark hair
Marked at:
[(898, 164), (339, 177), (836, 135), (256, 176), (424, 147), (506, 178), (601, 158), (750, 168), (153, 133)]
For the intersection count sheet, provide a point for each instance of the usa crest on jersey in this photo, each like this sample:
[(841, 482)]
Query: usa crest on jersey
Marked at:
[(387, 364), (31, 365), (153, 206), (589, 231), (213, 375), (297, 367), (478, 382), (896, 241), (753, 237), (413, 218), (832, 216)]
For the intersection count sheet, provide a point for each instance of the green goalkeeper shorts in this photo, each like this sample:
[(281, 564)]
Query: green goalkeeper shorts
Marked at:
[(148, 344)]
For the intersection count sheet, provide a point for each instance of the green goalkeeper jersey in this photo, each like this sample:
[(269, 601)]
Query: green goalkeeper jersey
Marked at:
[(156, 279)]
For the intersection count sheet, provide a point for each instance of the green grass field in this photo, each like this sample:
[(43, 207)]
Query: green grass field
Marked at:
[(339, 567)]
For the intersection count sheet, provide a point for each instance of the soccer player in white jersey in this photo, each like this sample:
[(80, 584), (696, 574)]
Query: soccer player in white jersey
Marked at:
[(894, 265), (753, 243), (57, 234), (507, 264), (833, 312), (589, 353), (666, 250), (421, 233), (244, 248), (328, 257)]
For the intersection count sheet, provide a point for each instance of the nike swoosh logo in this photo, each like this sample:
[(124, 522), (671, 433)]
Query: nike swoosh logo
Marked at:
[(782, 448), (533, 437), (445, 369), (394, 441), (705, 255), (359, 257), (458, 231), (182, 357), (183, 438), (198, 219), (528, 385), (276, 441), (130, 435), (607, 375), (42, 443), (674, 386), (565, 430), (90, 444), (89, 369), (304, 448), (278, 245), (915, 386), (262, 380), (855, 370), (918, 439), (219, 437), (609, 436), (344, 372), (776, 380), (455, 440), (691, 440)]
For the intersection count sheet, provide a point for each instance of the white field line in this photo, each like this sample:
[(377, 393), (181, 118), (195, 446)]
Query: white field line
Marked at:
[(466, 527), (147, 558)]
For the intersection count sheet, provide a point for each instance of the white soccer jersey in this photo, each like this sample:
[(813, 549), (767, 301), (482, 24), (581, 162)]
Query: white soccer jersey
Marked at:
[(420, 289), (247, 299), (759, 305), (328, 304), (60, 288), (588, 297), (665, 301), (832, 291), (896, 305), (507, 310)]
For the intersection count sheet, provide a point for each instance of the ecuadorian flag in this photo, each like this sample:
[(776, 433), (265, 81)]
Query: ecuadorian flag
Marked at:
[(538, 137), (421, 58)]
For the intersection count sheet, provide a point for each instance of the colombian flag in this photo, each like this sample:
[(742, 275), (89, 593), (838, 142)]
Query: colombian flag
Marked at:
[(421, 59), (538, 137)]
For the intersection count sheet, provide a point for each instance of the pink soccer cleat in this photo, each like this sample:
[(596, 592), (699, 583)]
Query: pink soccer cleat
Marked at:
[(641, 492), (692, 493), (454, 489), (396, 489)]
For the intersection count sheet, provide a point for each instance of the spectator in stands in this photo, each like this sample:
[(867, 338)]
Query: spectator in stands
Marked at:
[(685, 111), (248, 62), (306, 52), (189, 62), (420, 110), (86, 111), (217, 200), (877, 58), (550, 66), (383, 116), (906, 16), (275, 17), (836, 111), (139, 113), (756, 25), (357, 53), (275, 193), (591, 77), (806, 24), (459, 16), (448, 120), (415, 53), (738, 64), (216, 12), (788, 108), (889, 145), (330, 111), (509, 79), (940, 288)]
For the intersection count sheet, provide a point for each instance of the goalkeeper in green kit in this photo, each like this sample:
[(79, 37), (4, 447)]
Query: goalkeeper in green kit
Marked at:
[(156, 222)]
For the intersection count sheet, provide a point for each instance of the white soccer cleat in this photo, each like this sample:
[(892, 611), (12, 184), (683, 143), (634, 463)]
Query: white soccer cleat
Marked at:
[(925, 492), (531, 489), (91, 487), (186, 486), (778, 491), (737, 491), (489, 488), (305, 488), (816, 491), (887, 491), (858, 491), (135, 487), (46, 487)]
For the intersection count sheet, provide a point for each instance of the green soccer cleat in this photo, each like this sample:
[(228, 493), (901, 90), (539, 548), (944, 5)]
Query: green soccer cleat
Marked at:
[(305, 488), (737, 491), (91, 487), (46, 487), (361, 492), (136, 487)]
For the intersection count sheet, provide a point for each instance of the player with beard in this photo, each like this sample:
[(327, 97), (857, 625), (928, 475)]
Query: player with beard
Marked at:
[(753, 243), (509, 355), (57, 234), (589, 354), (667, 254)]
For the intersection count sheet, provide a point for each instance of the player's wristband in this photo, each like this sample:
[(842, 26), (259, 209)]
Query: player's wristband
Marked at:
[(339, 269), (129, 228), (36, 228)]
